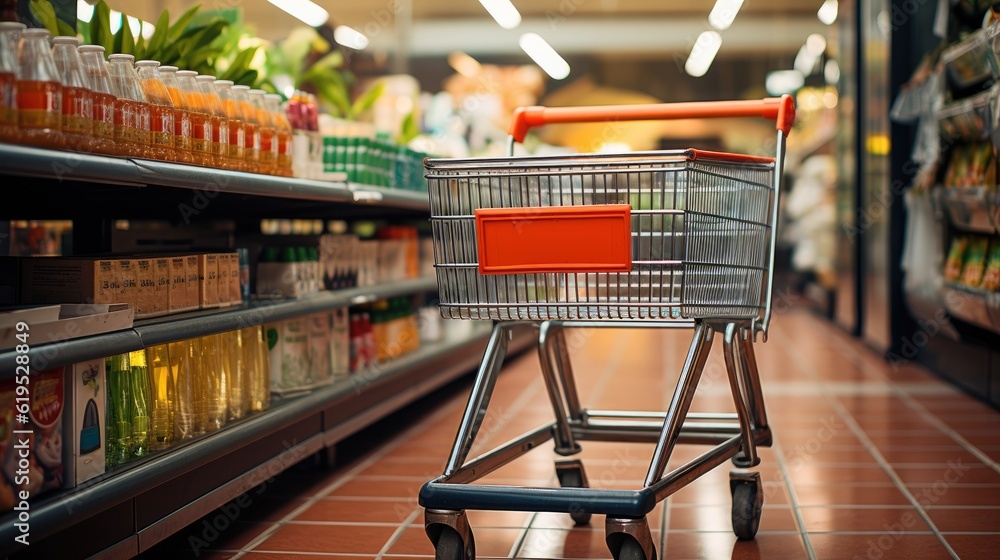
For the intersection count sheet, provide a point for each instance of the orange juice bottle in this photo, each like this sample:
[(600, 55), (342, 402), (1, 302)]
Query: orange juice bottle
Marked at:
[(283, 134), (10, 33), (268, 145), (38, 91), (105, 96), (251, 128), (161, 111), (78, 101), (237, 140), (220, 124), (201, 122), (133, 129), (183, 150)]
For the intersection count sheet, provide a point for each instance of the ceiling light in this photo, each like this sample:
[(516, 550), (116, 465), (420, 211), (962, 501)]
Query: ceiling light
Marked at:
[(305, 10), (544, 55), (464, 64), (831, 72), (816, 44), (84, 11), (828, 12), (703, 53), (723, 14), (505, 14), (805, 61), (350, 37), (783, 81)]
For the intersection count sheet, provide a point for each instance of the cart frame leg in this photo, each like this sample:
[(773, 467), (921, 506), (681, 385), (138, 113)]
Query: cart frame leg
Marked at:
[(747, 456), (617, 529), (436, 520), (755, 394), (549, 334)]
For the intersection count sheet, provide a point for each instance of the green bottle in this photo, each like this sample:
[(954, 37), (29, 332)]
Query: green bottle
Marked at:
[(119, 410), (142, 399)]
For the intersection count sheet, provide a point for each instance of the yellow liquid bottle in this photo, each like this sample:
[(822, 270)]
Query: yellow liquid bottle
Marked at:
[(164, 397), (236, 372), (215, 382), (186, 424), (258, 379)]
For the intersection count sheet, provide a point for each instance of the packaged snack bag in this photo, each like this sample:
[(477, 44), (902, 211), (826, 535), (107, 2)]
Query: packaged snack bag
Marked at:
[(991, 278), (975, 262), (956, 255)]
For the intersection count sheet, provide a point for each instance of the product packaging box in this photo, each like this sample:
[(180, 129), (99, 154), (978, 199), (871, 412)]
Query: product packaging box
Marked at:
[(223, 280), (44, 438), (127, 282), (340, 343), (321, 371), (288, 353), (193, 298), (85, 446), (161, 291), (235, 279), (208, 280), (70, 280)]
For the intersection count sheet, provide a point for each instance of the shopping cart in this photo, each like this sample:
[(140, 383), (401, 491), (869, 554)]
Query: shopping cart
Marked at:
[(653, 239)]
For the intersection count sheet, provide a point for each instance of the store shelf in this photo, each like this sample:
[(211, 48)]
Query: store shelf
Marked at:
[(149, 332), (970, 118), (975, 307), (975, 209), (169, 490)]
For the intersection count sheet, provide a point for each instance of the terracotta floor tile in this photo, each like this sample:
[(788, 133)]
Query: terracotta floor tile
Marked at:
[(884, 545), (874, 519), (575, 543), (951, 473), (719, 518), (513, 519), (361, 487), (489, 542), (963, 519), (213, 534), (271, 508), (955, 495), (351, 539), (358, 511), (698, 546), (811, 476), (829, 494), (299, 556), (974, 546)]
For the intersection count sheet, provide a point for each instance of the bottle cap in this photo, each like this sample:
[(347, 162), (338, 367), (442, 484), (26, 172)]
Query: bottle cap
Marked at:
[(223, 82), (120, 56), (147, 63), (12, 26), (62, 40), (168, 68)]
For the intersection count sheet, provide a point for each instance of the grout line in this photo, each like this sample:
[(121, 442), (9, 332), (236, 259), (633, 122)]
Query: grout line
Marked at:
[(793, 500), (519, 542), (398, 532)]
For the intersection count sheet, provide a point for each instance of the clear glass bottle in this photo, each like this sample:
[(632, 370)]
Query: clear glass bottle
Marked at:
[(251, 128), (161, 111), (183, 150), (237, 374), (201, 121), (237, 140), (10, 34), (220, 123), (38, 91), (283, 135), (213, 373), (142, 393), (268, 145), (164, 401), (184, 369), (105, 98), (118, 424), (132, 117), (77, 99)]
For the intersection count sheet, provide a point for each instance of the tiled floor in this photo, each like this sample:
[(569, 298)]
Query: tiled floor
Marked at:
[(870, 461)]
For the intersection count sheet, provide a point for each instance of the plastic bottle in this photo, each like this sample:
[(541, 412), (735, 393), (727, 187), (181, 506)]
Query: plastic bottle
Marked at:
[(268, 144), (164, 398), (213, 373), (236, 371), (10, 34), (251, 128), (105, 97), (185, 389), (142, 399), (77, 121), (237, 141), (283, 135), (182, 115), (161, 111), (201, 121), (258, 395), (220, 123), (38, 91), (132, 116), (119, 410)]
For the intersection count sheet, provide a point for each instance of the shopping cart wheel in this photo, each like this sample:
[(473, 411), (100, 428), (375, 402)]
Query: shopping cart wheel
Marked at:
[(572, 475), (629, 539), (451, 546), (450, 534), (748, 501)]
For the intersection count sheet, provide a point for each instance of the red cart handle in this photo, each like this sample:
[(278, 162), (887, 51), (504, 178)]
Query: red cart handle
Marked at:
[(780, 109)]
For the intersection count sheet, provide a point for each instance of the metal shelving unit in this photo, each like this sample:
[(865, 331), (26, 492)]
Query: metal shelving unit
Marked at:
[(135, 506)]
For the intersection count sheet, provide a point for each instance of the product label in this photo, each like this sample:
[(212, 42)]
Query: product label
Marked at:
[(46, 398), (178, 284), (7, 113), (39, 96)]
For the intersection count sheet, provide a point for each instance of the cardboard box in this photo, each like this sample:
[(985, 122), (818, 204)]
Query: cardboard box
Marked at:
[(145, 288), (178, 285), (235, 279), (72, 321), (127, 277), (161, 275), (289, 356), (320, 367), (193, 298), (70, 280), (208, 280), (223, 280), (86, 391)]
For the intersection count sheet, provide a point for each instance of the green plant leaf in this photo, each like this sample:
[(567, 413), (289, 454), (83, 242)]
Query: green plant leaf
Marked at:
[(179, 26), (116, 45), (140, 45), (128, 40), (367, 100), (408, 129), (45, 14), (329, 62), (100, 27), (240, 65), (65, 29), (335, 96), (160, 32), (248, 78)]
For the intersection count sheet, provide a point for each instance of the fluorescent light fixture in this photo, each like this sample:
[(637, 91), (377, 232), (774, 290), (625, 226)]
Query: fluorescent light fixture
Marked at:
[(505, 14), (350, 37), (828, 12), (84, 11), (805, 61), (116, 21), (304, 10), (703, 53), (544, 55), (783, 81), (723, 14), (816, 44), (464, 64)]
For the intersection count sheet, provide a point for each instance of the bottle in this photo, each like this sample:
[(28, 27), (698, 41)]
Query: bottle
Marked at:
[(38, 91), (236, 371), (77, 121), (119, 414), (105, 98), (215, 383), (132, 117), (220, 123), (237, 142), (283, 135), (201, 122), (164, 398), (161, 111), (268, 144), (182, 115), (186, 394), (142, 399), (258, 365), (251, 129), (10, 33)]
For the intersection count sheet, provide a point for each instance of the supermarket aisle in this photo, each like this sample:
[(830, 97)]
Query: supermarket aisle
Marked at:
[(870, 461)]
